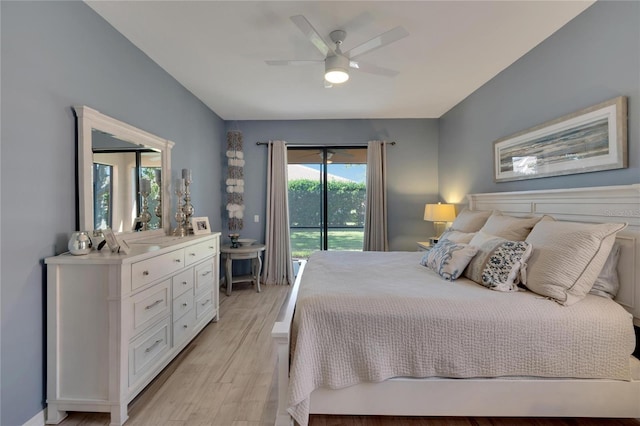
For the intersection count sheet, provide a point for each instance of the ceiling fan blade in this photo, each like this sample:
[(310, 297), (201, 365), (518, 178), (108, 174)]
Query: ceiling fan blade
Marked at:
[(383, 39), (277, 62), (311, 33), (372, 69)]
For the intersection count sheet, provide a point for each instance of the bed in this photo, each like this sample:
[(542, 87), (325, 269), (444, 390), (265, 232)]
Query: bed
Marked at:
[(577, 358)]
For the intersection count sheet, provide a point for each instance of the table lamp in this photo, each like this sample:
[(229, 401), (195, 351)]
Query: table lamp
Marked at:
[(439, 214)]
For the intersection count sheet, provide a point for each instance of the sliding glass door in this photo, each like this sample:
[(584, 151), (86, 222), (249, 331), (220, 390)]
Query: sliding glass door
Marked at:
[(326, 198)]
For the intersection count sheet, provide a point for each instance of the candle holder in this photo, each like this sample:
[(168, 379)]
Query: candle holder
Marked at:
[(158, 209), (145, 216), (180, 229), (187, 208)]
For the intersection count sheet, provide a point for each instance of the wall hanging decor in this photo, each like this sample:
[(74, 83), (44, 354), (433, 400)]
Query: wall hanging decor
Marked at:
[(235, 182), (588, 140)]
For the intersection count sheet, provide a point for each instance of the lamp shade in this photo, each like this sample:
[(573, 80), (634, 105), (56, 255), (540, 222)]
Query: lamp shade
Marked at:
[(439, 212)]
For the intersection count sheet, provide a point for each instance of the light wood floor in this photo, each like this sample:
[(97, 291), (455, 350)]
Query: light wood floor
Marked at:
[(226, 377)]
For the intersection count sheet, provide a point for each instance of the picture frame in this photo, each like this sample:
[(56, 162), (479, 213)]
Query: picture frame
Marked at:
[(111, 239), (200, 225), (589, 140)]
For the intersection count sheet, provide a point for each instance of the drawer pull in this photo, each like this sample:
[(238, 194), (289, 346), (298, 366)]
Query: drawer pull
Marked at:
[(185, 326), (145, 273), (185, 305), (204, 274), (206, 302), (184, 283), (153, 304), (178, 261), (150, 348), (192, 254), (211, 247)]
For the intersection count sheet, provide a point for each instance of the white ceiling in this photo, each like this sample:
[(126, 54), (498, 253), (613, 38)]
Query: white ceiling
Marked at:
[(217, 49)]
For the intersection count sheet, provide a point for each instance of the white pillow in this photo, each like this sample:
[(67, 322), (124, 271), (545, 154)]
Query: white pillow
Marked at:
[(457, 236), (509, 227), (607, 284), (470, 220), (567, 258), (448, 259)]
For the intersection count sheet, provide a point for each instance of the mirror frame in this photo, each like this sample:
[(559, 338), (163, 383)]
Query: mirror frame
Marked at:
[(89, 119)]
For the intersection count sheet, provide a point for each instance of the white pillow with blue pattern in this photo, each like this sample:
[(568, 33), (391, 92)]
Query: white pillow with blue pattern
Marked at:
[(498, 263), (448, 259)]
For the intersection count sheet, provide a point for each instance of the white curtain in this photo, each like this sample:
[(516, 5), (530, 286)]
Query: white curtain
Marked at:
[(278, 268), (375, 222)]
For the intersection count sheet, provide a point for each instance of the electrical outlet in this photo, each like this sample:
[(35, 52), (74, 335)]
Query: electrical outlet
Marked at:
[(256, 218)]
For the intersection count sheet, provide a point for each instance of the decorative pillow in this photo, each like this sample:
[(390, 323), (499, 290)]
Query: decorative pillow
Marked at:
[(607, 283), (470, 220), (448, 259), (509, 227), (457, 236), (498, 262), (567, 258)]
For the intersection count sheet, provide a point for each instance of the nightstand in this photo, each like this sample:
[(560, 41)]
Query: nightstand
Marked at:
[(423, 245)]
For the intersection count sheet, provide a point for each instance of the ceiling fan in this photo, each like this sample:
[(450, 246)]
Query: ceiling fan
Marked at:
[(336, 62)]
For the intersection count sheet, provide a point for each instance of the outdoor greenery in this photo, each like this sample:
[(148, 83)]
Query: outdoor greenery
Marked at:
[(306, 241), (347, 201)]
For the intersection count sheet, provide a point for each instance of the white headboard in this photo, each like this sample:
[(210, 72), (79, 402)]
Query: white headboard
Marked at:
[(603, 204)]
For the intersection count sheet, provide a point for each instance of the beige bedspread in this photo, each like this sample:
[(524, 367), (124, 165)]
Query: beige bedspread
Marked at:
[(367, 317)]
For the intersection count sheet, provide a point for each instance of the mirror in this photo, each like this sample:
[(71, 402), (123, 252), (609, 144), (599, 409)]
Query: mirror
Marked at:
[(121, 176)]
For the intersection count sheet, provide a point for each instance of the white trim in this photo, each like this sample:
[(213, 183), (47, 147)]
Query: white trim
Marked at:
[(37, 420)]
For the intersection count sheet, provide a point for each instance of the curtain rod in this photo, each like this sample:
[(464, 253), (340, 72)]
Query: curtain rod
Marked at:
[(321, 146)]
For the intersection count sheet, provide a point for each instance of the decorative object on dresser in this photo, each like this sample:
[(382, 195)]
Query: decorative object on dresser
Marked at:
[(158, 208), (114, 321), (145, 215), (79, 243), (180, 229), (588, 140), (187, 207), (235, 180), (200, 225), (439, 214)]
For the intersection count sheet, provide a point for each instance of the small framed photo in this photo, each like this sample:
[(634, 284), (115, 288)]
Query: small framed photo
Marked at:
[(111, 239), (200, 225)]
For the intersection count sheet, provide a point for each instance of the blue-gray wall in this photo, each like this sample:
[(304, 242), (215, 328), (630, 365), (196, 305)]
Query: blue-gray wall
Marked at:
[(55, 55), (412, 166), (593, 58)]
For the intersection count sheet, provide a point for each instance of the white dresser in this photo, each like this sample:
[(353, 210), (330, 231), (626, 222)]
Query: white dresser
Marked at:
[(114, 321)]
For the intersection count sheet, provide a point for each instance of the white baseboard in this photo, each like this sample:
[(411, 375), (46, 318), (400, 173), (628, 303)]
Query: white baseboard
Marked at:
[(37, 420)]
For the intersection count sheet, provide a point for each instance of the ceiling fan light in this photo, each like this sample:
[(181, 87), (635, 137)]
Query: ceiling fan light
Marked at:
[(336, 76), (336, 69)]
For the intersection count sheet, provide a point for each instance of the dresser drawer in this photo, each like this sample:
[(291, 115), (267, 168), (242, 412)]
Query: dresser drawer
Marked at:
[(204, 304), (149, 306), (182, 304), (204, 277), (149, 270), (200, 251), (146, 350), (182, 282), (183, 327)]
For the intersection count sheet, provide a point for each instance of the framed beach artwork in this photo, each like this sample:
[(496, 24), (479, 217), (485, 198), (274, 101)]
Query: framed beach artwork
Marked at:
[(588, 140)]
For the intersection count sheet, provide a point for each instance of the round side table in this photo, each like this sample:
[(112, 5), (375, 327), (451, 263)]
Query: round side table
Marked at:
[(252, 253)]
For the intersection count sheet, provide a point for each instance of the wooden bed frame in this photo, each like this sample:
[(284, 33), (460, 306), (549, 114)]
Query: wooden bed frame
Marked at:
[(500, 397)]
